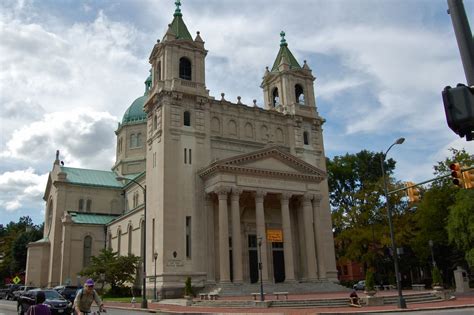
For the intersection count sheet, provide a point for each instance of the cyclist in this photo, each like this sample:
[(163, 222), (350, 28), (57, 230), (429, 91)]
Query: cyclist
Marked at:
[(85, 297)]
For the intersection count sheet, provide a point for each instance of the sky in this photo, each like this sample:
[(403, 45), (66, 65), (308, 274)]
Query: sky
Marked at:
[(69, 69)]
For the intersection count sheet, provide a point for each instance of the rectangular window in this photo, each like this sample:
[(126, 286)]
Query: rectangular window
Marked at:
[(188, 237), (189, 156), (153, 235), (185, 155)]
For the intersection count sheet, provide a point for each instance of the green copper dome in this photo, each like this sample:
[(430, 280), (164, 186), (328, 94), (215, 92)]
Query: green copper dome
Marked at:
[(135, 113)]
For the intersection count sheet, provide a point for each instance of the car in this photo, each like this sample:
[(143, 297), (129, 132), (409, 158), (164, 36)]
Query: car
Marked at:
[(7, 292), (68, 291), (359, 285), (58, 305), (22, 289)]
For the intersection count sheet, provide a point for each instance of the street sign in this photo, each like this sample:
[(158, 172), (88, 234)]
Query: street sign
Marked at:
[(274, 235), (16, 280)]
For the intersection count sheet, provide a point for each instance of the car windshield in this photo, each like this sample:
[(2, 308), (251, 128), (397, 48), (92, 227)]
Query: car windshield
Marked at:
[(52, 295)]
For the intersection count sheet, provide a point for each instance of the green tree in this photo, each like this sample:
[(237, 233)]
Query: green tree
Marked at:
[(117, 270)]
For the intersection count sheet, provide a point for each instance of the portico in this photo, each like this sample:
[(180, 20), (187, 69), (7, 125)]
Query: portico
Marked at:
[(252, 194)]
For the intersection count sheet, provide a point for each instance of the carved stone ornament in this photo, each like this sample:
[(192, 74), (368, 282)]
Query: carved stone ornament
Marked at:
[(307, 197), (222, 191), (236, 192), (259, 195), (285, 197)]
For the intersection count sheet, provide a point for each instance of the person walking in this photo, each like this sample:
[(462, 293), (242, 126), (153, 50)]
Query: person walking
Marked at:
[(85, 297), (39, 308)]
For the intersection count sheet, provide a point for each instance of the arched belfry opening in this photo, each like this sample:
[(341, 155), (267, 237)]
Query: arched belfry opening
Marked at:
[(185, 69), (299, 94), (275, 97)]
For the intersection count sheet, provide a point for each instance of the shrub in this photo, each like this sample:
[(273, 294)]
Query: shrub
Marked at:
[(369, 281), (436, 275), (188, 289)]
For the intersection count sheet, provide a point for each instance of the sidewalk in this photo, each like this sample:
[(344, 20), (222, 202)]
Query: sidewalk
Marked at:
[(461, 301)]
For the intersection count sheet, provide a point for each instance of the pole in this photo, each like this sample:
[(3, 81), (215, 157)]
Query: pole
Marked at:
[(463, 37), (144, 300), (262, 297), (430, 242), (401, 301), (154, 287)]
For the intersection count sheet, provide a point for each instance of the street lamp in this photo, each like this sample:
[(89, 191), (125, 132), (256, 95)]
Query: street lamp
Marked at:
[(430, 242), (262, 297), (155, 256), (144, 303), (401, 301)]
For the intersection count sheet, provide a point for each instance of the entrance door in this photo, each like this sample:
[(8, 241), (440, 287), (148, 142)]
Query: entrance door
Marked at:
[(253, 258), (278, 262)]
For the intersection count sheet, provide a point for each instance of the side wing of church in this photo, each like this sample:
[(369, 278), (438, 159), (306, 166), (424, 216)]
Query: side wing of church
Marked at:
[(221, 183)]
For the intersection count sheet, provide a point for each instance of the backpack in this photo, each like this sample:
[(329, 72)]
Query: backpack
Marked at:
[(81, 292)]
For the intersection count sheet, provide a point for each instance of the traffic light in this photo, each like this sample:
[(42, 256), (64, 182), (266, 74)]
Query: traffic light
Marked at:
[(456, 174), (468, 178), (459, 109), (413, 192)]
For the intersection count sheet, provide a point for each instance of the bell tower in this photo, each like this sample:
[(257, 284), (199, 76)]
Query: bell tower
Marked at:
[(288, 87), (178, 61)]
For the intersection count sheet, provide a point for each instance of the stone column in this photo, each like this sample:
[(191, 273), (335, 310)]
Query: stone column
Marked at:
[(309, 237), (236, 236), (287, 237), (224, 263), (261, 231), (319, 235), (211, 252)]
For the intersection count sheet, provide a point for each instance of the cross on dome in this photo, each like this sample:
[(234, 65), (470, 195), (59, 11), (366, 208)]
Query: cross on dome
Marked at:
[(178, 10), (283, 40)]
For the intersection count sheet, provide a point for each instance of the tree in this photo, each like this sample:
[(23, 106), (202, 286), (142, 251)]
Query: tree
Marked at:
[(117, 270)]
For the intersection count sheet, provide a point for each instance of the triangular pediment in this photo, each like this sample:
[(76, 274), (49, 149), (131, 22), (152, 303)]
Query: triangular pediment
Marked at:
[(270, 162)]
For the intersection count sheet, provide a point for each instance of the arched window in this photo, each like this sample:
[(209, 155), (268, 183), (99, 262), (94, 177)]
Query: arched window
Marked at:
[(87, 251), (299, 94), (119, 241), (155, 122), (305, 138), (50, 214), (130, 240), (88, 205), (139, 140), (81, 205), (158, 71), (187, 118), (135, 200), (109, 240), (276, 98), (185, 69)]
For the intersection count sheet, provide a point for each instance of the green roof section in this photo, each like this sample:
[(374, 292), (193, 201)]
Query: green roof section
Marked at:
[(135, 112), (178, 26), (285, 52), (87, 177), (91, 218)]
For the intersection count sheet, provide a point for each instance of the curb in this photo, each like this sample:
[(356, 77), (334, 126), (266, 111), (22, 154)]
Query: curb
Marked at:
[(452, 307)]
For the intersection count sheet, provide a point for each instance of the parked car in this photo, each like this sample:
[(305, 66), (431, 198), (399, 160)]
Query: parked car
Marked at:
[(7, 292), (67, 291), (58, 305), (359, 285), (22, 289)]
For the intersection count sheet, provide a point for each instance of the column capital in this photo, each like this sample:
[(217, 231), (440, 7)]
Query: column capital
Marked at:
[(317, 198), (307, 197), (259, 195), (236, 192), (222, 192), (285, 196)]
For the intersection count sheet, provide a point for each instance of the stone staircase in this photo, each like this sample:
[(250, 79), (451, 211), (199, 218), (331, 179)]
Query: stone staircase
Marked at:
[(335, 302), (296, 287)]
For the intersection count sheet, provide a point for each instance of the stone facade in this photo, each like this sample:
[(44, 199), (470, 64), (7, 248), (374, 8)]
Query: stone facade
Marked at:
[(224, 182)]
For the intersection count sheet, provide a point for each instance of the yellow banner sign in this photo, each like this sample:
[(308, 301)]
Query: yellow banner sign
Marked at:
[(16, 280), (275, 235)]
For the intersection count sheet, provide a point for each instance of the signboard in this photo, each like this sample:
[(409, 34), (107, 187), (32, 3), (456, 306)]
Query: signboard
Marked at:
[(274, 235), (16, 280)]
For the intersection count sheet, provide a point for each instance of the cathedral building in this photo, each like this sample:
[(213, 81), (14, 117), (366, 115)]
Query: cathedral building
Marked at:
[(201, 186)]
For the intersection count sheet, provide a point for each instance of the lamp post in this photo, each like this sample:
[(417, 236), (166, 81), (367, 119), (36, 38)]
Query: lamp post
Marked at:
[(155, 256), (144, 303), (262, 297), (430, 242), (401, 301)]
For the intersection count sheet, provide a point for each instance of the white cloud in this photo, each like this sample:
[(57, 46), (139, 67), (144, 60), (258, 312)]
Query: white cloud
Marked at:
[(21, 187)]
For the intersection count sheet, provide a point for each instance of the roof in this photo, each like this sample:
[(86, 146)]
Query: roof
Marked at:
[(135, 112), (88, 177), (286, 53), (91, 218), (177, 26)]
